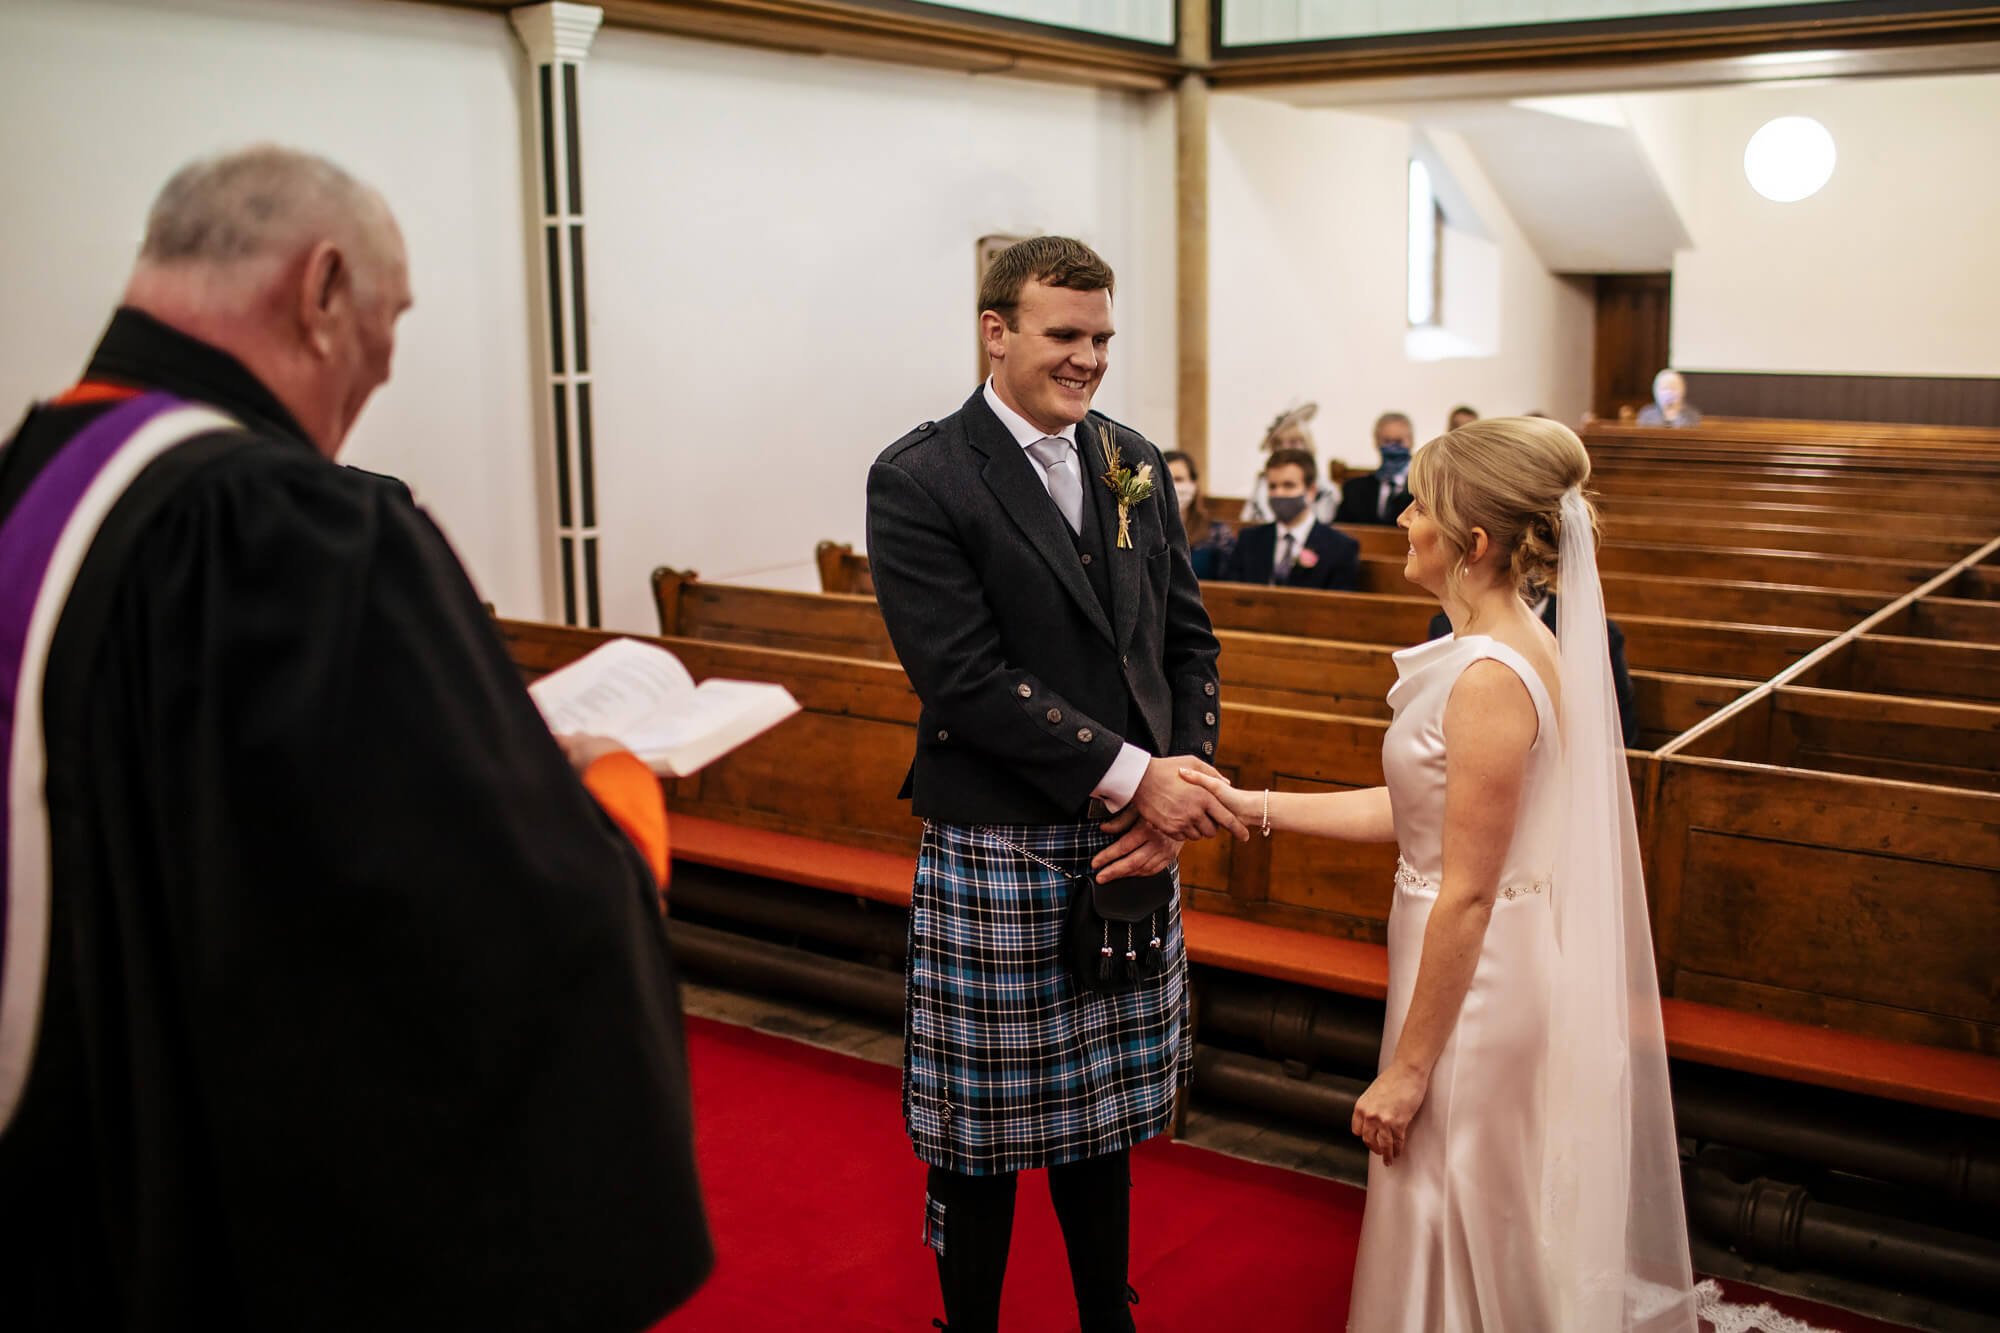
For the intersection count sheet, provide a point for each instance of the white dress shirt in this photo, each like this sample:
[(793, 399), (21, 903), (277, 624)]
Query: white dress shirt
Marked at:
[(1121, 780)]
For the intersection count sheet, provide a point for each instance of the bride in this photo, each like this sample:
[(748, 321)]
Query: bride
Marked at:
[(1524, 1172)]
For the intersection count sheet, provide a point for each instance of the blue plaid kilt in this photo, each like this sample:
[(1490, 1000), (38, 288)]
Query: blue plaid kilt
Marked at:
[(1007, 1063)]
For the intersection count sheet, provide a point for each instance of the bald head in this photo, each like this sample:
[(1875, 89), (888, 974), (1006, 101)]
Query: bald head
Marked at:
[(289, 264)]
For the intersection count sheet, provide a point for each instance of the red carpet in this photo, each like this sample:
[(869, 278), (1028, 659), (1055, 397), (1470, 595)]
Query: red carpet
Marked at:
[(817, 1207)]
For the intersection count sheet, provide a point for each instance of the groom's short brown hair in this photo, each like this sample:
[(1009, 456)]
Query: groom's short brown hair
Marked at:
[(1053, 261)]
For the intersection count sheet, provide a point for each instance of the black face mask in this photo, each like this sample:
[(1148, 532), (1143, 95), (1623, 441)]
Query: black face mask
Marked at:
[(1286, 508)]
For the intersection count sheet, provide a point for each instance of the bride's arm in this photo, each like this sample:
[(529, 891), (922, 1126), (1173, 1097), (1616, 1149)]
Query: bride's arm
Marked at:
[(1351, 816), (1489, 726)]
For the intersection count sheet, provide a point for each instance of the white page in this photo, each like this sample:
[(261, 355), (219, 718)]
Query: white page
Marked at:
[(612, 689)]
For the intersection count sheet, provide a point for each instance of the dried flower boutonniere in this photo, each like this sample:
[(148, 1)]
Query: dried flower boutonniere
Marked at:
[(1129, 486)]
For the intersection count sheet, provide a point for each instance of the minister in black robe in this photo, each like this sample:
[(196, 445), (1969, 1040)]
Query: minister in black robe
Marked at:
[(359, 1012)]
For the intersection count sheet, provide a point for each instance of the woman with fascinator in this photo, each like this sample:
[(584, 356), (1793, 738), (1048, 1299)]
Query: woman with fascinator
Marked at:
[(1288, 430), (1524, 1171)]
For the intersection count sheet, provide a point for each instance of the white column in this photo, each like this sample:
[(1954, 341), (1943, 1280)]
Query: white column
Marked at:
[(556, 38)]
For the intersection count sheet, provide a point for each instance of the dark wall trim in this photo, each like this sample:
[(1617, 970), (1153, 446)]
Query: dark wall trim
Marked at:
[(1608, 42), (1930, 400)]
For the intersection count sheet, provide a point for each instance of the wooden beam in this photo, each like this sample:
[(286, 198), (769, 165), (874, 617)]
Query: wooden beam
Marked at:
[(933, 37), (1569, 46), (1191, 236)]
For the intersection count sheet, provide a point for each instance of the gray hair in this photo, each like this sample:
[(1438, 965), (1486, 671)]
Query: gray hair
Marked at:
[(251, 203)]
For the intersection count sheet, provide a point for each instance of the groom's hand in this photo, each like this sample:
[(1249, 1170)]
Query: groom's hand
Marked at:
[(1178, 808), (1140, 849)]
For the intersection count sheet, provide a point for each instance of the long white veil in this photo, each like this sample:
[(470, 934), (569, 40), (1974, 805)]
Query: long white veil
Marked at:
[(1614, 1229)]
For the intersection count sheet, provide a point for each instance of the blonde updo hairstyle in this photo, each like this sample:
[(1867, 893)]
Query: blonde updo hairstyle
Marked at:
[(1506, 475)]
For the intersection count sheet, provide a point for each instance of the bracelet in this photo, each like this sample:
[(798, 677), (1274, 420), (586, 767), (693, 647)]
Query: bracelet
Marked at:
[(1267, 812)]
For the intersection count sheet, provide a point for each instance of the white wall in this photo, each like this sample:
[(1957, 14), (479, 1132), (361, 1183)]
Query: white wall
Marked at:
[(1891, 269), (102, 99), (1307, 287), (782, 281)]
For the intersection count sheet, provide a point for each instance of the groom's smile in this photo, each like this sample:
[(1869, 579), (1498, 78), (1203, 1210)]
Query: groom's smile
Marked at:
[(1048, 364)]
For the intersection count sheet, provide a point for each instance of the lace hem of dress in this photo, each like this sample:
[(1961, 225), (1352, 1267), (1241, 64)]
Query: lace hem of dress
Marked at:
[(1408, 878)]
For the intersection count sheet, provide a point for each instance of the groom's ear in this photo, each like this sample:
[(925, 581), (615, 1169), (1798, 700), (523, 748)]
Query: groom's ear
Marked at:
[(993, 333)]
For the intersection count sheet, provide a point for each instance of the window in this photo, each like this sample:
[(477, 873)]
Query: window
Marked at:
[(1426, 287)]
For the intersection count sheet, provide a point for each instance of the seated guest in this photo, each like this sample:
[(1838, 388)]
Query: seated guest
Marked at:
[(1288, 431), (1621, 679), (1296, 551), (1670, 406), (1209, 542), (1461, 416), (1381, 496)]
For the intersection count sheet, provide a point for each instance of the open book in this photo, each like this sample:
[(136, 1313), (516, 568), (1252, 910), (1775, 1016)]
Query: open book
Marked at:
[(641, 696)]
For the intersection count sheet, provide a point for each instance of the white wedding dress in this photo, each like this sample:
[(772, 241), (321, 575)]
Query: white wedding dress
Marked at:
[(1452, 1237)]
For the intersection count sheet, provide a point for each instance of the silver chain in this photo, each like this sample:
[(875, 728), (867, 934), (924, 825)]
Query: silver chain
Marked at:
[(986, 831)]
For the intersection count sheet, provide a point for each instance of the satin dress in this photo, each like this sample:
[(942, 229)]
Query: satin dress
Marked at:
[(1450, 1240)]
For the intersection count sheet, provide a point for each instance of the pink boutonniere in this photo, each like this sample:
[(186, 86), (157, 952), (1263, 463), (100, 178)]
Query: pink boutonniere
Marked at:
[(1308, 557)]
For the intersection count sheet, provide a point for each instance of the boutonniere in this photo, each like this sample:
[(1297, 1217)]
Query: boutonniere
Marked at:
[(1308, 557), (1129, 486)]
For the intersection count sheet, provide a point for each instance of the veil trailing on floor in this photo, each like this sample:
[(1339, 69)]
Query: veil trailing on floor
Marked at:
[(1614, 1229)]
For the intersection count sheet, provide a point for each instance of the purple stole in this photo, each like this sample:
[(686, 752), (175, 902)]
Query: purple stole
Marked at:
[(42, 545)]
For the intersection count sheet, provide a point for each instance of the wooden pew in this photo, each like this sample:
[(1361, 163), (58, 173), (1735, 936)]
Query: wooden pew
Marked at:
[(1310, 673), (1787, 506), (1629, 597), (1311, 913), (1924, 551), (1946, 618), (1926, 668)]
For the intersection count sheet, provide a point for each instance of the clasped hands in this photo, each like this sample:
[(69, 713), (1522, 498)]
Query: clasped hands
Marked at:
[(1164, 812)]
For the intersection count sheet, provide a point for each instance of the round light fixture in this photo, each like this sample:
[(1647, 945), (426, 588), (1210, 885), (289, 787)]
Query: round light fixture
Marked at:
[(1789, 159)]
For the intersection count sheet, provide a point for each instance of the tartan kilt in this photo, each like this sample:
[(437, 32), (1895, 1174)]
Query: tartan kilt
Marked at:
[(1007, 1063)]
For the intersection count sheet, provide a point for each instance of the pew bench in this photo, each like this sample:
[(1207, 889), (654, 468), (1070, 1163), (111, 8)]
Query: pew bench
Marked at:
[(1697, 1033)]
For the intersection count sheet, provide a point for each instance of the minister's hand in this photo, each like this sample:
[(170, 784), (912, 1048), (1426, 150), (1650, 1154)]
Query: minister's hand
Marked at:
[(1140, 848), (1178, 808), (583, 750)]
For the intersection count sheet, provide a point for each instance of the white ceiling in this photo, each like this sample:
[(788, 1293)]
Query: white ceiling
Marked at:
[(1559, 150)]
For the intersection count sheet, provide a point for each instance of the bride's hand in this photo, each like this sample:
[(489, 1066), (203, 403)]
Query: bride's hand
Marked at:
[(1243, 804), (1383, 1113)]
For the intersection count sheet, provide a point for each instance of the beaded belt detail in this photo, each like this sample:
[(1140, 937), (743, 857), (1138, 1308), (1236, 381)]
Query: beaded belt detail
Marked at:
[(1408, 878)]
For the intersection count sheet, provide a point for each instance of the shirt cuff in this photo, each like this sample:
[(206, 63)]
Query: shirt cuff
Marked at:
[(1121, 781)]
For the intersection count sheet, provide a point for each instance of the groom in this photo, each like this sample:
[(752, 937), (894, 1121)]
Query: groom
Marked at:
[(1066, 673)]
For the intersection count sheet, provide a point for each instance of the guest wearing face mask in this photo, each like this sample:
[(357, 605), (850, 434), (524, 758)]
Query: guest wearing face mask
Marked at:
[(1670, 406), (1380, 497), (1296, 551), (1209, 541)]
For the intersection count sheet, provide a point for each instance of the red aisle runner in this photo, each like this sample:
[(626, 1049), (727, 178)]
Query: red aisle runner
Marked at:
[(816, 1202)]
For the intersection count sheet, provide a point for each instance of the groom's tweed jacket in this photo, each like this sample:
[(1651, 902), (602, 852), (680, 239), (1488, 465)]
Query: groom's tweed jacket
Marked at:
[(1030, 681)]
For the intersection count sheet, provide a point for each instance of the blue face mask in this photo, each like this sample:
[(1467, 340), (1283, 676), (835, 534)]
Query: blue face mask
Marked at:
[(1395, 459)]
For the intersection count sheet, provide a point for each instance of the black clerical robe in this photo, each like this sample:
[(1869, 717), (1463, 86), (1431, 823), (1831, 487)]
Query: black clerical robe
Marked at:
[(359, 1012)]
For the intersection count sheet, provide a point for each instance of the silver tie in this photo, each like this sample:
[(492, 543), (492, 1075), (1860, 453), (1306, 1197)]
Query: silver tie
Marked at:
[(1286, 554), (1058, 462)]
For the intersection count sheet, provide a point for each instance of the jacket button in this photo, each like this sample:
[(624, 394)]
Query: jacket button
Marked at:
[(1055, 715), (1025, 690), (1209, 689), (1206, 717), (1086, 557), (1086, 735), (1208, 747), (944, 735)]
